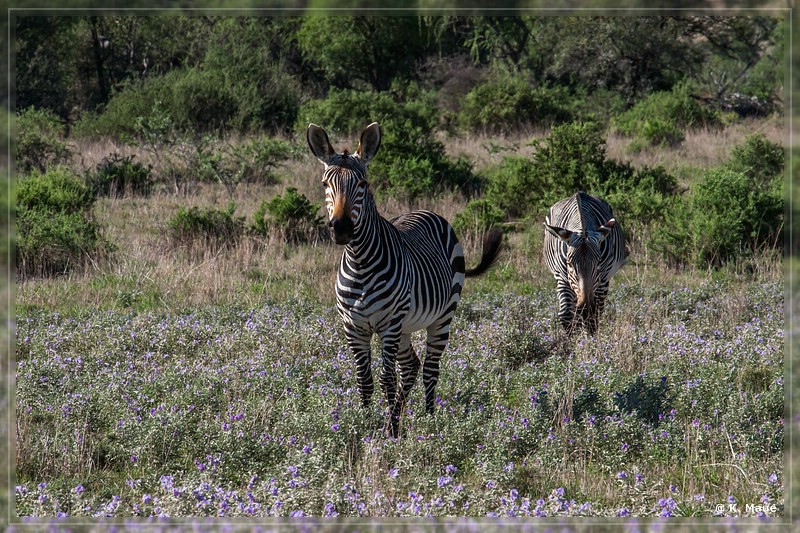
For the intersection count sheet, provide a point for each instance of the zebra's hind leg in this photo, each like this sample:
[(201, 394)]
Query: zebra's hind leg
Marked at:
[(359, 344), (409, 365), (438, 335)]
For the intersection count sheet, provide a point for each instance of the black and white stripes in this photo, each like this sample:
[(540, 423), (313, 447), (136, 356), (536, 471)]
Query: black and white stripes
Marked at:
[(396, 277), (583, 248)]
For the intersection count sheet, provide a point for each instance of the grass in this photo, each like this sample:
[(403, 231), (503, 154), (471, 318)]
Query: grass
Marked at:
[(167, 384)]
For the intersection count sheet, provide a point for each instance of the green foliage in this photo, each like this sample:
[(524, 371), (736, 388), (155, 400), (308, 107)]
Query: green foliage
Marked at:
[(570, 159), (733, 213), (662, 117), (201, 101), (40, 140), (759, 158), (209, 229), (55, 230), (292, 214), (477, 217), (727, 217), (117, 176), (125, 111), (505, 103), (363, 50), (411, 161)]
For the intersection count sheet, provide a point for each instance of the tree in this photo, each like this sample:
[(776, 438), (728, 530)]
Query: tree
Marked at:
[(371, 50)]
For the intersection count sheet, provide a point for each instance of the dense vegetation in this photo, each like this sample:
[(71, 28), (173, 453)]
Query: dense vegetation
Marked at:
[(177, 351)]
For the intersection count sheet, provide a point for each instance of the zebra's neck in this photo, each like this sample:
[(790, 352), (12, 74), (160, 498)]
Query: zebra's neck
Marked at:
[(369, 234)]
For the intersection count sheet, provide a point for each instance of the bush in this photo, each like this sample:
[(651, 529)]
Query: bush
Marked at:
[(726, 217), (662, 117), (206, 229), (411, 161), (40, 141), (117, 176), (202, 101), (293, 215), (506, 103), (570, 159), (55, 229), (118, 120), (477, 217), (759, 158)]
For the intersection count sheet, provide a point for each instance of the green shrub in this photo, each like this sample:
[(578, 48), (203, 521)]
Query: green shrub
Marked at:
[(117, 176), (759, 158), (506, 103), (118, 120), (292, 214), (202, 101), (726, 217), (412, 161), (55, 230), (477, 217), (267, 100), (570, 159), (206, 229), (662, 117), (40, 141)]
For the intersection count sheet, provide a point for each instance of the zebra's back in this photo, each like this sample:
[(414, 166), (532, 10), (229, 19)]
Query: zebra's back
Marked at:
[(436, 264)]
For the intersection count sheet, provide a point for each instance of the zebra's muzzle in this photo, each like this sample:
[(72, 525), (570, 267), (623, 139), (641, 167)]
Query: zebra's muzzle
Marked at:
[(341, 229)]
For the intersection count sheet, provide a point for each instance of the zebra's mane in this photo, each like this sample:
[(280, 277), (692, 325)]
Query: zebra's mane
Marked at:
[(581, 213)]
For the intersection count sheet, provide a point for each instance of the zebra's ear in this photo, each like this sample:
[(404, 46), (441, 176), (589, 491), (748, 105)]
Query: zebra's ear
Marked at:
[(369, 143), (319, 143), (561, 233), (606, 228)]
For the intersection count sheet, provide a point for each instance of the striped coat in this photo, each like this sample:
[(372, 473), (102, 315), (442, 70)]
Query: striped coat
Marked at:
[(583, 248), (395, 277)]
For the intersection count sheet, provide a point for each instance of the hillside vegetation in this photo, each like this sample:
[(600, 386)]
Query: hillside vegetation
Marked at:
[(178, 352)]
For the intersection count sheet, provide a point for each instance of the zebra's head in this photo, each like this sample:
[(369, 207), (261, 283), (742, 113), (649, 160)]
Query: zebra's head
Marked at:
[(344, 178), (582, 258)]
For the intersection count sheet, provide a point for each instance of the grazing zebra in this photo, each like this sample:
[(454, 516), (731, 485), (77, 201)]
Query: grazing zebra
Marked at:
[(396, 277), (583, 247)]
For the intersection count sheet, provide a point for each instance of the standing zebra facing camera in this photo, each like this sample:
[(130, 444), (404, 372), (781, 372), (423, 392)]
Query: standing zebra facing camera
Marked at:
[(396, 277), (583, 248)]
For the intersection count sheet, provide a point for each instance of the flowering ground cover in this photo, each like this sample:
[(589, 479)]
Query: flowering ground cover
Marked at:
[(674, 409)]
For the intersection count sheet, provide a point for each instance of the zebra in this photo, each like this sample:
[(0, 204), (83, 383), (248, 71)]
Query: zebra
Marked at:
[(396, 276), (583, 248)]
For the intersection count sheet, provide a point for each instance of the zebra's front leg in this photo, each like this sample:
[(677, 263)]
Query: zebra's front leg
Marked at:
[(567, 307), (438, 335), (390, 341), (359, 344), (409, 368)]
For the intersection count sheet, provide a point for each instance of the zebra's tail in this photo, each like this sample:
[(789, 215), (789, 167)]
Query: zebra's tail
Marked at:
[(492, 242)]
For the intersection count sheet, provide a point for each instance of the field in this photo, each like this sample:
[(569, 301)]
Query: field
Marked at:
[(176, 384)]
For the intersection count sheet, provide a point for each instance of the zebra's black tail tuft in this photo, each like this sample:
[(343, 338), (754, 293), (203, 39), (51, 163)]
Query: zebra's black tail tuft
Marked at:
[(492, 243)]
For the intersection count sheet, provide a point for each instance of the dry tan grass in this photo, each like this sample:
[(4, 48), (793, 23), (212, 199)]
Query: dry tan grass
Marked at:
[(260, 270)]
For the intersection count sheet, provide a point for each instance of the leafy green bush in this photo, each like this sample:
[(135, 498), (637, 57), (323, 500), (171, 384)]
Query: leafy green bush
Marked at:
[(202, 101), (55, 229), (293, 215), (206, 229), (759, 158), (477, 216), (506, 103), (662, 117), (411, 161), (118, 120), (40, 141), (117, 176), (571, 158), (726, 217)]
